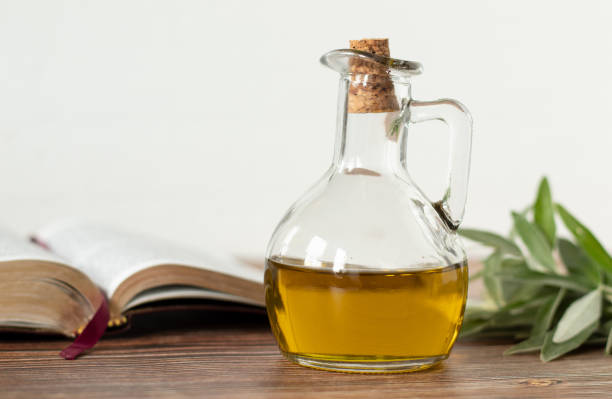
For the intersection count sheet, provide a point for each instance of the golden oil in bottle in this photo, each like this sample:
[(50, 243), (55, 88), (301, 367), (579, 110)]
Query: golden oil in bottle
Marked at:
[(362, 316)]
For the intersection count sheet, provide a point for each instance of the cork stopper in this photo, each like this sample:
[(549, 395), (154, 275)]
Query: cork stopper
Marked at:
[(376, 93)]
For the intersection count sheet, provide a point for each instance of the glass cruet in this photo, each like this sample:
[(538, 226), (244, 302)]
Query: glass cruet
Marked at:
[(364, 273)]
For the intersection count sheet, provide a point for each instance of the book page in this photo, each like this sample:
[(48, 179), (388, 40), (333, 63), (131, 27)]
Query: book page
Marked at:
[(180, 292), (13, 247), (109, 256)]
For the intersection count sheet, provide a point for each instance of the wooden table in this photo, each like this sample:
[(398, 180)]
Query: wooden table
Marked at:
[(210, 355)]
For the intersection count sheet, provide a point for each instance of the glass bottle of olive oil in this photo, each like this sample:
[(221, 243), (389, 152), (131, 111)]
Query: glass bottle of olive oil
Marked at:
[(364, 315), (364, 273)]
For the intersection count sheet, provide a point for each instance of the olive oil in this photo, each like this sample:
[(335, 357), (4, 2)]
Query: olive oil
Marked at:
[(364, 316)]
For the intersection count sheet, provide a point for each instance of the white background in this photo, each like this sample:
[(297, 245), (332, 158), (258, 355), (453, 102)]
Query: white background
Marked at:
[(202, 121)]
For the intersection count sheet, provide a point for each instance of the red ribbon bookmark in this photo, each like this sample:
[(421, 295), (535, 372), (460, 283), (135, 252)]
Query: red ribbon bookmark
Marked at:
[(91, 334)]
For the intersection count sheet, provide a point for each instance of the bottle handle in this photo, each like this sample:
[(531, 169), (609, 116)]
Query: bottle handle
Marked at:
[(454, 114)]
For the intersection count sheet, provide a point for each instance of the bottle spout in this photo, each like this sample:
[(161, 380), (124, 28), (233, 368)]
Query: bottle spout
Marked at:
[(373, 75), (342, 61)]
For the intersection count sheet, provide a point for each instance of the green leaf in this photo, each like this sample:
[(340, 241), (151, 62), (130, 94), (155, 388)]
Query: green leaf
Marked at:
[(519, 313), (514, 265), (513, 320), (533, 300), (502, 333), (586, 239), (608, 349), (596, 340), (477, 275), (524, 212), (471, 327), (531, 344), (582, 313), (553, 280), (552, 350), (536, 243), (491, 240), (546, 314), (544, 212), (519, 306), (505, 333), (478, 310), (493, 285), (577, 262), (477, 318), (517, 291), (604, 328)]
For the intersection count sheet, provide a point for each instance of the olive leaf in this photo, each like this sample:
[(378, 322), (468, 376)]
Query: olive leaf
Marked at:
[(494, 286), (524, 318), (473, 326), (595, 339), (478, 310), (535, 241), (477, 275), (531, 344), (577, 262), (491, 240), (517, 291), (608, 350), (579, 315), (512, 234), (514, 265), (553, 280), (546, 313), (544, 212), (513, 291), (548, 308), (552, 350), (586, 239)]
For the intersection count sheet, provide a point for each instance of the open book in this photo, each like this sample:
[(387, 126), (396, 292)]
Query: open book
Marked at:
[(58, 284)]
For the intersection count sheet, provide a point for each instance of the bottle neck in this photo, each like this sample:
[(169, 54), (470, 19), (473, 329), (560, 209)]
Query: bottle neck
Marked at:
[(369, 143)]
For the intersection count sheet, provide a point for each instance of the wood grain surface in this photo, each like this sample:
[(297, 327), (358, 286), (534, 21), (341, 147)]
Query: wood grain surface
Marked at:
[(204, 354)]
